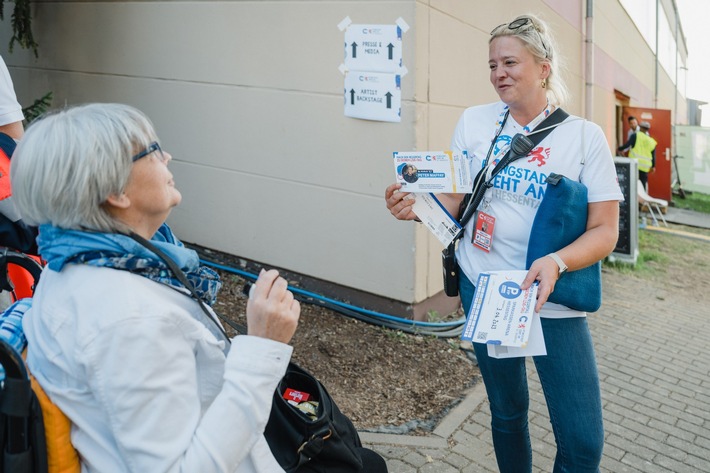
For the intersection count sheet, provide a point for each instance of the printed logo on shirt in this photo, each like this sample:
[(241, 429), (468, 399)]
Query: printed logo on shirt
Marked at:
[(503, 142), (539, 155)]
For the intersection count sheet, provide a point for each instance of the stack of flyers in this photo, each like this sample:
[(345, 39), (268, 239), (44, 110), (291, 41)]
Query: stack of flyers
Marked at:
[(433, 171), (501, 312)]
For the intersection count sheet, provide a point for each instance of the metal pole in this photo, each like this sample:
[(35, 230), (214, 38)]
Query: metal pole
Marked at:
[(655, 86), (589, 61)]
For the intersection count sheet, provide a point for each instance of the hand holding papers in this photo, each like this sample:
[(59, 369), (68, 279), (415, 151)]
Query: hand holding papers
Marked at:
[(502, 314), (429, 172), (432, 214)]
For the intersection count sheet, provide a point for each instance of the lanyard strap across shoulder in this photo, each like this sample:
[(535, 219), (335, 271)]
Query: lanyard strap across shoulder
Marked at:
[(520, 146)]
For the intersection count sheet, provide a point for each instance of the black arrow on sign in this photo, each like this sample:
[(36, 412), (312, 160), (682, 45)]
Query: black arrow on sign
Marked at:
[(354, 49), (389, 100), (352, 96), (390, 47)]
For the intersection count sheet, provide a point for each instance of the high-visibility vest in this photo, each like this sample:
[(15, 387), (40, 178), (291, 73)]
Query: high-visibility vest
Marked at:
[(21, 279), (642, 151)]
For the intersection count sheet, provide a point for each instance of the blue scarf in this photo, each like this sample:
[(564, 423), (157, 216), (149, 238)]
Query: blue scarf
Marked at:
[(60, 247)]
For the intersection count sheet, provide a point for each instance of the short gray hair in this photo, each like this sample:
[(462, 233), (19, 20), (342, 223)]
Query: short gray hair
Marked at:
[(70, 161), (537, 39)]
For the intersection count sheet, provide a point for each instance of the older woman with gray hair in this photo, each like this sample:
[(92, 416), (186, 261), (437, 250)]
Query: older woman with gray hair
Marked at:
[(140, 366), (525, 73)]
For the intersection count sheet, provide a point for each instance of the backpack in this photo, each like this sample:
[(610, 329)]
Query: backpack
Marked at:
[(34, 433)]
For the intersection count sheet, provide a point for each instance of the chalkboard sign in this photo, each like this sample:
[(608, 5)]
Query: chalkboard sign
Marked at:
[(627, 245)]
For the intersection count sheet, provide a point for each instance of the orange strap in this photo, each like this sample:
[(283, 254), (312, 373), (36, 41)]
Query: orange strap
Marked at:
[(22, 280), (5, 187), (61, 455)]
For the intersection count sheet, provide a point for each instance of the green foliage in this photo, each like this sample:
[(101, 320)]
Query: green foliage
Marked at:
[(651, 254), (21, 25), (394, 335), (694, 201), (433, 316), (37, 108)]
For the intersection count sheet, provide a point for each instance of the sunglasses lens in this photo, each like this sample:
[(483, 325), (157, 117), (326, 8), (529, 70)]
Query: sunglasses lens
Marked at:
[(514, 25)]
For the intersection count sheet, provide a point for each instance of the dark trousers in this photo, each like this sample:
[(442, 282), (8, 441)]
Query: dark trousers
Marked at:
[(643, 177)]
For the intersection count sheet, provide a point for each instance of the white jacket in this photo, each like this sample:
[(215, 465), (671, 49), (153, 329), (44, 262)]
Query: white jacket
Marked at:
[(145, 384)]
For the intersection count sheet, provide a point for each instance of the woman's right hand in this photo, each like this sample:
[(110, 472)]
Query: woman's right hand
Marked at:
[(398, 206), (272, 312)]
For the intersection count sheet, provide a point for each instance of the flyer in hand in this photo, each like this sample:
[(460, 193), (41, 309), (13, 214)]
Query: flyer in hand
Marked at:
[(433, 171), (501, 313), (435, 217)]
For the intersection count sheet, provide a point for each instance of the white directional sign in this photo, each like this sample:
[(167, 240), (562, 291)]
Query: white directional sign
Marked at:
[(375, 48), (373, 96)]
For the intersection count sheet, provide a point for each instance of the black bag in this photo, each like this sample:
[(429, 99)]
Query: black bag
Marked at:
[(22, 437), (329, 443)]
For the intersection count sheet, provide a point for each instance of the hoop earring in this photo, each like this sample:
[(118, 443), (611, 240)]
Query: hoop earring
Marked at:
[(544, 83)]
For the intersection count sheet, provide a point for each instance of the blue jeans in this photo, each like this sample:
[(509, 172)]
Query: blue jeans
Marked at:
[(570, 381)]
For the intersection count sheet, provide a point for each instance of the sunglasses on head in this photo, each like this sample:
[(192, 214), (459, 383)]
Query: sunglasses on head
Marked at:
[(524, 23), (516, 24)]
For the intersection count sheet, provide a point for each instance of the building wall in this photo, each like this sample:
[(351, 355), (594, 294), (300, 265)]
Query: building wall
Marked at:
[(247, 97)]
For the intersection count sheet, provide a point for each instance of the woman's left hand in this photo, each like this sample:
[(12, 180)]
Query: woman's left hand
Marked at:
[(546, 272)]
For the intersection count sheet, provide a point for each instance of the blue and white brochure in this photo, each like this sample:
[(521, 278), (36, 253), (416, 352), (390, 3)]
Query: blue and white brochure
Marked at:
[(435, 217), (433, 171), (501, 313)]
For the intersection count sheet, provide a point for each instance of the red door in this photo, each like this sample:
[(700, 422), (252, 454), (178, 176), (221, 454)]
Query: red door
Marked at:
[(659, 181)]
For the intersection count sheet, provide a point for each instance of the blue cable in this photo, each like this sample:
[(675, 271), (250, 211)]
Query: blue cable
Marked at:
[(312, 295)]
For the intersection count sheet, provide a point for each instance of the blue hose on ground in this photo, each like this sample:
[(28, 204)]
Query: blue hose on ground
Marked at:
[(438, 329)]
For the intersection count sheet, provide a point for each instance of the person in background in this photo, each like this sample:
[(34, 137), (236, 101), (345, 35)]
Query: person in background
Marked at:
[(633, 126), (642, 148), (145, 373), (525, 72), (14, 232)]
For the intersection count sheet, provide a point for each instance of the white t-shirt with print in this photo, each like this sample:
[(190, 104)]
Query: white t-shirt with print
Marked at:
[(518, 190)]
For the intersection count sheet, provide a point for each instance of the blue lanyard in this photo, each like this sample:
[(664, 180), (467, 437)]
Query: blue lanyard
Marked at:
[(495, 138)]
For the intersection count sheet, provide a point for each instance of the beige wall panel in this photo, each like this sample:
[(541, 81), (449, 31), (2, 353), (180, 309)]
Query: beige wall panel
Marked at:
[(281, 45), (421, 127), (605, 115), (421, 261), (458, 62), (611, 75), (443, 120), (666, 91), (570, 49), (307, 229), (420, 69), (485, 15), (619, 39)]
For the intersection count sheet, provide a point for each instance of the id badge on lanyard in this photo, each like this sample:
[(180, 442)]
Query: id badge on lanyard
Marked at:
[(483, 233), (482, 237)]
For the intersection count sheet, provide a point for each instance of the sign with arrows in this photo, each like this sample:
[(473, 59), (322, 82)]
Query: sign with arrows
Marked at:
[(373, 96), (373, 70), (375, 48)]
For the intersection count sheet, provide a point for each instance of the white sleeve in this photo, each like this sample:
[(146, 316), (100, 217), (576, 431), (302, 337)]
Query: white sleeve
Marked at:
[(153, 401), (10, 109)]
